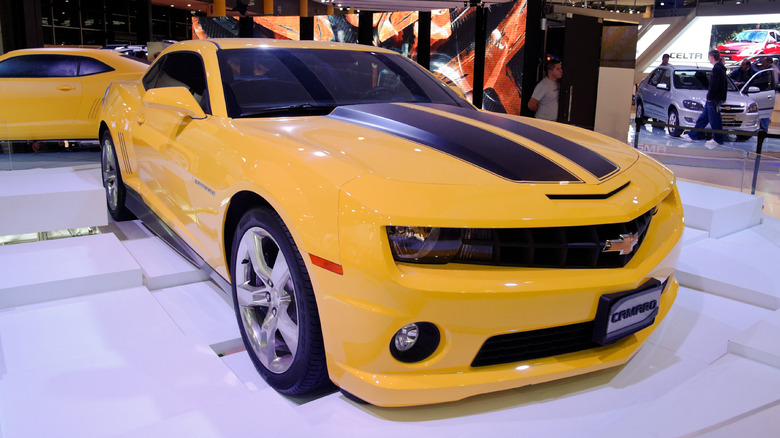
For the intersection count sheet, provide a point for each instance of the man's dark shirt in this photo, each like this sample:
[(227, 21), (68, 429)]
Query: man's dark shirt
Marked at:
[(741, 76), (718, 84)]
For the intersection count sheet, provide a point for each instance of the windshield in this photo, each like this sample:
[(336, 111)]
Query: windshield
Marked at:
[(261, 82), (750, 36), (696, 80)]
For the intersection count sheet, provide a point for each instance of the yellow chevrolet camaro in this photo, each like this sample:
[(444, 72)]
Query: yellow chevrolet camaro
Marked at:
[(377, 231), (55, 93)]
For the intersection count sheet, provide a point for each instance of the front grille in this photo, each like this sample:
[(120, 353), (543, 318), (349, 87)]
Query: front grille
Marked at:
[(553, 247), (732, 109), (516, 347)]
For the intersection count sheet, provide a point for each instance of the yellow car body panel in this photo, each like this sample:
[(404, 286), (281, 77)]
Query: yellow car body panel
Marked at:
[(338, 185), (59, 108)]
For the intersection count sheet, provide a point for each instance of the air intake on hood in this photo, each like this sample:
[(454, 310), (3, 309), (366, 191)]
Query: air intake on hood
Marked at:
[(588, 197)]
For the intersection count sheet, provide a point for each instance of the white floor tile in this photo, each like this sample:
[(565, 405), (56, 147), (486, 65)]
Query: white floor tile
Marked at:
[(56, 269), (725, 391), (162, 266), (200, 311)]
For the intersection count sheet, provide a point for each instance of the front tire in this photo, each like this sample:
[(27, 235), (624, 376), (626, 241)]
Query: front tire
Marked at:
[(112, 180), (275, 305), (674, 119)]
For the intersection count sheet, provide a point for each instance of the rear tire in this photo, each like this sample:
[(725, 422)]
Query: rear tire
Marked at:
[(112, 180), (275, 305), (674, 119)]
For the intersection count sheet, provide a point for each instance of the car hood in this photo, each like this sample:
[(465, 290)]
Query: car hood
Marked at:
[(442, 144), (732, 97), (736, 46)]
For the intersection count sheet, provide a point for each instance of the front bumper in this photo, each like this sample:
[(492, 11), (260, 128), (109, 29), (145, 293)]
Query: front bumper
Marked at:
[(362, 309), (738, 121)]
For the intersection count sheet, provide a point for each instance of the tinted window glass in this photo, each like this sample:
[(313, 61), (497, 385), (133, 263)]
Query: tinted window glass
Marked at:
[(696, 80), (39, 66), (89, 66), (256, 80), (184, 69), (150, 78), (655, 77)]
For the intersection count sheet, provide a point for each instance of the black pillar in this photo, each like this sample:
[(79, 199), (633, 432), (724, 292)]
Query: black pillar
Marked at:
[(144, 21), (480, 39), (307, 28), (366, 28), (533, 56), (246, 27), (424, 39), (21, 24)]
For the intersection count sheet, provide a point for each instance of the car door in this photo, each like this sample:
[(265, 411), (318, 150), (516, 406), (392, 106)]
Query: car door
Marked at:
[(761, 87), (172, 150), (650, 94), (664, 94), (40, 94)]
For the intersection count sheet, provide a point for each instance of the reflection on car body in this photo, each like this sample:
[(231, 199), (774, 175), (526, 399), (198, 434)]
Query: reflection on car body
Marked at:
[(55, 93), (377, 231), (676, 94)]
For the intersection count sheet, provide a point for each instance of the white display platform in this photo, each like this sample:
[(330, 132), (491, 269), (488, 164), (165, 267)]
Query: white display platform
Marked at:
[(140, 363), (720, 212), (53, 269), (51, 199)]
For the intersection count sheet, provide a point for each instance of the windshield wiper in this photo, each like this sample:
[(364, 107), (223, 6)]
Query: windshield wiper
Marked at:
[(293, 110)]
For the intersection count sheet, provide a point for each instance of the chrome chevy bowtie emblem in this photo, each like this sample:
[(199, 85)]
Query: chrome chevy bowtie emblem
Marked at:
[(624, 245)]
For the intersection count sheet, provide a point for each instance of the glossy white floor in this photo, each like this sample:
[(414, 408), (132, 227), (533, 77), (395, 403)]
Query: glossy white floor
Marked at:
[(116, 335)]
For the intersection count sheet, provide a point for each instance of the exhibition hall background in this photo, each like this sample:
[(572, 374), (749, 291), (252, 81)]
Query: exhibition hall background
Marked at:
[(490, 53)]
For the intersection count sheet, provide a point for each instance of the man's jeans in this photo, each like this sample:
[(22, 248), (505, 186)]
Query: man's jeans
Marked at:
[(710, 116)]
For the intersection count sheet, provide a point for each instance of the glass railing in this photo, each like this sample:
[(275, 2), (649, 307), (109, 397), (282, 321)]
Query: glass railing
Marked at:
[(747, 162), (5, 148)]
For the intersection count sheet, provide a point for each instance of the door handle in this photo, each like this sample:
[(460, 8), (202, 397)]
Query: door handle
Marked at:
[(140, 119), (66, 87)]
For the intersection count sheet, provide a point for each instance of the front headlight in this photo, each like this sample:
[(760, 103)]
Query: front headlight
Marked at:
[(752, 108), (693, 105), (424, 244), (432, 245)]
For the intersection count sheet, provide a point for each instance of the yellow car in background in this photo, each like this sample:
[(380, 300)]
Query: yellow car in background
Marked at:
[(377, 231), (55, 93)]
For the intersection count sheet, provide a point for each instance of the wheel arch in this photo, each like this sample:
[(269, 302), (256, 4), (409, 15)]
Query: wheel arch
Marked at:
[(240, 203)]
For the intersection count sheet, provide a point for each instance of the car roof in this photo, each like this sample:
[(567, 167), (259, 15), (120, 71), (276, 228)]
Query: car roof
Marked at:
[(243, 43), (110, 57)]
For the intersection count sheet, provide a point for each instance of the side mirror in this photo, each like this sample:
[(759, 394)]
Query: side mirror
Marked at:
[(753, 90), (176, 99), (662, 86)]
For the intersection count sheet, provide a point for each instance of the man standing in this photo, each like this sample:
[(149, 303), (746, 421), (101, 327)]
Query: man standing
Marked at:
[(767, 63), (665, 59), (544, 101), (743, 73), (716, 94)]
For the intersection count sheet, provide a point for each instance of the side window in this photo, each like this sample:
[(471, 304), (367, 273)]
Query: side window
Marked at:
[(90, 66), (655, 76), (764, 81), (185, 69), (39, 66), (666, 78), (150, 78)]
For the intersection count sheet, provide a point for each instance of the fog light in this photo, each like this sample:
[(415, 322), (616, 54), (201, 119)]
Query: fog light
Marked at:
[(406, 337), (415, 342)]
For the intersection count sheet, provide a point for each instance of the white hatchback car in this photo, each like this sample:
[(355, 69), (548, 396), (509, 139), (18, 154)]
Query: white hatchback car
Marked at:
[(676, 95)]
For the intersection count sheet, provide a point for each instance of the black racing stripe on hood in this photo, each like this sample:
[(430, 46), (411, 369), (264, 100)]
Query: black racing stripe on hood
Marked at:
[(588, 159), (477, 146)]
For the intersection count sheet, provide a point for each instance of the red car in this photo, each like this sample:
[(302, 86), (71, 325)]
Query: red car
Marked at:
[(749, 43)]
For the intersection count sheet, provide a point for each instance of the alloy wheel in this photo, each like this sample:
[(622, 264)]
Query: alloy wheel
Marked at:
[(266, 298)]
